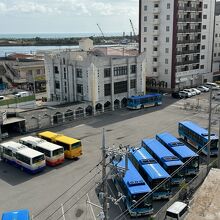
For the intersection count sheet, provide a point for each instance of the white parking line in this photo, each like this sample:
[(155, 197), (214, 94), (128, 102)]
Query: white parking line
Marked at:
[(79, 126)]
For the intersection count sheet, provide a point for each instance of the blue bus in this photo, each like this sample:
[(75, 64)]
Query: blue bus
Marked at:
[(198, 137), (167, 160), (180, 150), (138, 102), (16, 215), (133, 186), (152, 173)]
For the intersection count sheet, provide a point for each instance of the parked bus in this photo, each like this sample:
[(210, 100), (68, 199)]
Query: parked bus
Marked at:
[(152, 172), (138, 102), (16, 215), (133, 186), (180, 150), (198, 137), (54, 153), (21, 156), (72, 147), (166, 159)]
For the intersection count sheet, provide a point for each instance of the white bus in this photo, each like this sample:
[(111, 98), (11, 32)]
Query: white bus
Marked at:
[(54, 153), (177, 211), (21, 156)]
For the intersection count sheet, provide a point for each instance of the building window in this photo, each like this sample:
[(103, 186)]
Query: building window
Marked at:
[(120, 87), (156, 6), (56, 70), (166, 61), (216, 35), (155, 38), (107, 88), (202, 67), (204, 16), (166, 71), (202, 57), (57, 84), (166, 50), (218, 54), (133, 69), (155, 16), (107, 72), (168, 17), (145, 39), (38, 71), (205, 6), (167, 39), (155, 59), (203, 47), (168, 5), (133, 83), (155, 48), (214, 54), (145, 18), (64, 61), (204, 27), (167, 28), (145, 29), (203, 37), (155, 28), (154, 69), (64, 75), (78, 73), (145, 8), (145, 49), (120, 71), (79, 88)]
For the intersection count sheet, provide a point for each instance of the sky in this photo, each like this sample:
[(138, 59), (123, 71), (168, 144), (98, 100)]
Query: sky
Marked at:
[(67, 16)]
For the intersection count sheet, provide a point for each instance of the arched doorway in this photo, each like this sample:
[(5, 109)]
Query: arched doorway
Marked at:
[(79, 112), (98, 107), (45, 121), (69, 115), (89, 110), (58, 118), (107, 106), (117, 104), (124, 102)]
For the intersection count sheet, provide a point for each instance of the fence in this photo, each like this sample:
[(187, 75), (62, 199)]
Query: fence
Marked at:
[(12, 101)]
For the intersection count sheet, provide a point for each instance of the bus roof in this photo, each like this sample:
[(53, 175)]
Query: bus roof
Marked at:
[(162, 152), (197, 129), (152, 167), (48, 134), (31, 153), (66, 139), (133, 180), (145, 96), (176, 207), (41, 143), (177, 146), (13, 146), (16, 215)]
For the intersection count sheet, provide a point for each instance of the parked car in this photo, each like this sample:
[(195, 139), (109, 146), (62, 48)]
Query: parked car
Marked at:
[(214, 86), (198, 92), (184, 94), (176, 95), (203, 88), (190, 91), (217, 96), (2, 97), (22, 94)]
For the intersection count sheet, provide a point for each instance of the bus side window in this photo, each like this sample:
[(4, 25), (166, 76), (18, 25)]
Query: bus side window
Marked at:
[(8, 152), (65, 146)]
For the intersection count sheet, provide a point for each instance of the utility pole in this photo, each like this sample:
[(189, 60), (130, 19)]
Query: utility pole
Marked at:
[(209, 129), (104, 178)]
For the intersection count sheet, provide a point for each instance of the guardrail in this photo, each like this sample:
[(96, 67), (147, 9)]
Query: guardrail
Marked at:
[(7, 102)]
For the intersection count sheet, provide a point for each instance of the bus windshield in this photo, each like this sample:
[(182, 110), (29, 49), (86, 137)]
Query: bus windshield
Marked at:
[(58, 152), (37, 159), (146, 202), (77, 144)]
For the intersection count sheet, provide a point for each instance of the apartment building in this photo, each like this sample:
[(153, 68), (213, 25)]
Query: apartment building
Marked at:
[(177, 36), (101, 77)]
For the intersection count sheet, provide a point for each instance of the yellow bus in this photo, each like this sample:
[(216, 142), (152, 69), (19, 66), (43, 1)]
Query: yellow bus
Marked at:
[(72, 147)]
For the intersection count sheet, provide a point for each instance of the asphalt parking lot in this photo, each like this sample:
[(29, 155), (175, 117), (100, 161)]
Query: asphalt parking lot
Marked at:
[(19, 190)]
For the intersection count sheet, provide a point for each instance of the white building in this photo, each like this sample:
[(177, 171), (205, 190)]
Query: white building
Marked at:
[(178, 38), (102, 77), (216, 54)]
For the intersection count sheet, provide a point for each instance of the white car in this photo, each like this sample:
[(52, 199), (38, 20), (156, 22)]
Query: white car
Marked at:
[(198, 92), (185, 94), (203, 88), (217, 96), (2, 97), (214, 86), (190, 91)]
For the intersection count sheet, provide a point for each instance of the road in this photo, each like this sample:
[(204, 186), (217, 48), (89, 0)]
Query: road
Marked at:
[(20, 190)]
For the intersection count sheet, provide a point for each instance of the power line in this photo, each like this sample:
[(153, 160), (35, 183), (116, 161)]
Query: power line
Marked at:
[(155, 188), (73, 195), (67, 190)]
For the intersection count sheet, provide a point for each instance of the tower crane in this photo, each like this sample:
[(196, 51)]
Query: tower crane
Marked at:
[(132, 26), (101, 31)]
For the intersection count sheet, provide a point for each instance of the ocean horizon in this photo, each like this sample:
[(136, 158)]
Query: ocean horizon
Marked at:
[(55, 35)]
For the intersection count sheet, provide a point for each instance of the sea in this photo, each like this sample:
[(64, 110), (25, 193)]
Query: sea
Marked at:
[(4, 51)]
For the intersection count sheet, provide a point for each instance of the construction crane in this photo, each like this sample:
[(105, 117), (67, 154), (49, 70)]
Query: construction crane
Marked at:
[(132, 26), (101, 31)]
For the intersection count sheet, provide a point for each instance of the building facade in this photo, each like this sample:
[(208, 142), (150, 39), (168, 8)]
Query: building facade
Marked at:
[(101, 77), (178, 38)]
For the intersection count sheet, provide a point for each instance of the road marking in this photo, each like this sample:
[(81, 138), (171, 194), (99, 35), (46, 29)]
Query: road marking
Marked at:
[(91, 207), (79, 126)]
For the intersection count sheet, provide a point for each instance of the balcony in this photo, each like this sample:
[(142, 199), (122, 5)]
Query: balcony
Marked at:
[(155, 53), (184, 51), (156, 10), (156, 43), (156, 21), (186, 62), (156, 32), (155, 63)]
